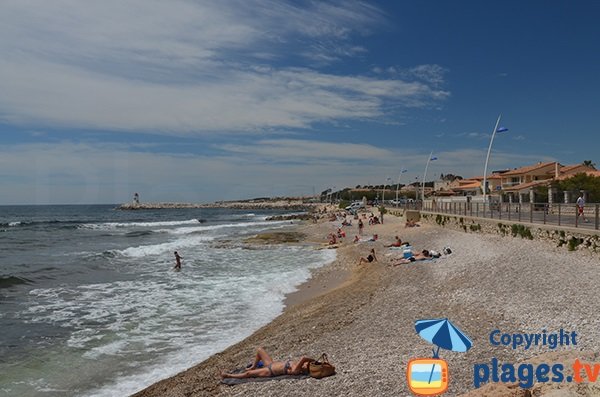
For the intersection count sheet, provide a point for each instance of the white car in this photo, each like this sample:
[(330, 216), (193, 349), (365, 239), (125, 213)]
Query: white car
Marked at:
[(355, 206)]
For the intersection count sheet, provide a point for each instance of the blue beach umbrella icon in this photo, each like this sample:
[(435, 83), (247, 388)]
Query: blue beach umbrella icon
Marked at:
[(442, 333)]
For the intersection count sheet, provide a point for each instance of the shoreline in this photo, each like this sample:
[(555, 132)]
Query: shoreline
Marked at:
[(324, 280), (366, 323)]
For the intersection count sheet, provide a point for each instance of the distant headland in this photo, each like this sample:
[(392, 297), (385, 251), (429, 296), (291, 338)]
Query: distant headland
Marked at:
[(275, 203)]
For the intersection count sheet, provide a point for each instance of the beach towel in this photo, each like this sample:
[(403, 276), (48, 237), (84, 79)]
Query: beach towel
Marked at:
[(400, 248), (234, 381)]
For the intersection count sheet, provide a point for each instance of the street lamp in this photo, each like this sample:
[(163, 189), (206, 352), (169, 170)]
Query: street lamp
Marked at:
[(402, 171), (388, 179), (487, 159), (429, 159)]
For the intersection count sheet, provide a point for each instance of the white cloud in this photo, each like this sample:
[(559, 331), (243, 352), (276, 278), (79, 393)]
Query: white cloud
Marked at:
[(186, 67), (433, 74), (295, 150), (85, 173)]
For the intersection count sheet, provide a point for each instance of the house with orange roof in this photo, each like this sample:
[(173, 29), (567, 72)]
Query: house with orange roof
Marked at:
[(473, 186), (521, 183)]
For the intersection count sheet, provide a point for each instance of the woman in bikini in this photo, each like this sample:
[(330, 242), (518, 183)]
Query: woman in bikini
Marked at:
[(271, 368), (369, 258)]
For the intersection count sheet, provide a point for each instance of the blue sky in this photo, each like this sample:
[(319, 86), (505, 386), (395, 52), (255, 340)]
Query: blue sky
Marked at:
[(195, 101)]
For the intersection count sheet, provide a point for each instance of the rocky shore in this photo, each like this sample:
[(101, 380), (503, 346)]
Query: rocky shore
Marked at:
[(366, 322)]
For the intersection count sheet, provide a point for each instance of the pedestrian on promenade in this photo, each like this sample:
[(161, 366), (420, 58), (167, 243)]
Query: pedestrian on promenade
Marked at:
[(580, 205)]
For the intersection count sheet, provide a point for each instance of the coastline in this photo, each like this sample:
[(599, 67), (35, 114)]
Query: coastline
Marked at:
[(323, 281), (244, 205), (364, 319)]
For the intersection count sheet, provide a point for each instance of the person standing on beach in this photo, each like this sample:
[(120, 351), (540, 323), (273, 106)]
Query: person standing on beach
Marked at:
[(360, 227), (580, 205), (177, 261)]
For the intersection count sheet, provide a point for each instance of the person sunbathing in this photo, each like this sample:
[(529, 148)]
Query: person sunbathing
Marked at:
[(397, 243), (420, 256), (270, 367), (369, 258), (332, 239), (411, 223)]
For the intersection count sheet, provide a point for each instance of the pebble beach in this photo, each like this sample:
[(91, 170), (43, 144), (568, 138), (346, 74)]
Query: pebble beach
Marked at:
[(363, 316)]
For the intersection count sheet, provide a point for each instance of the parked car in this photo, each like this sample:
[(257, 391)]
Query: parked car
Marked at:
[(355, 206)]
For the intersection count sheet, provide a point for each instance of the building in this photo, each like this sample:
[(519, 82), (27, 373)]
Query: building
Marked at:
[(519, 185)]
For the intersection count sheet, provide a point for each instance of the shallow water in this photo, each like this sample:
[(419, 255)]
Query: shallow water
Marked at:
[(90, 304)]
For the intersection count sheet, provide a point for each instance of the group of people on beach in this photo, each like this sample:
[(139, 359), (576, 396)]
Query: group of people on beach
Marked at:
[(407, 256)]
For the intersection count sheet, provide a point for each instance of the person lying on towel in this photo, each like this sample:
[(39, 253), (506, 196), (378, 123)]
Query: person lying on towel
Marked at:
[(271, 368), (421, 256)]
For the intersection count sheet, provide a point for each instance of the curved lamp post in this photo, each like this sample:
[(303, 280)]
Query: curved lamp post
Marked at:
[(487, 159), (402, 171), (429, 159)]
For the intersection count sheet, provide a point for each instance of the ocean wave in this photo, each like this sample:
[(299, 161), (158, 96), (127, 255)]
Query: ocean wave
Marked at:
[(139, 233), (199, 229), (159, 249), (119, 225), (175, 318), (62, 224), (11, 281)]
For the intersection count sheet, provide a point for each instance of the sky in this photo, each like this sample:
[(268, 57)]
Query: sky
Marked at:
[(199, 101)]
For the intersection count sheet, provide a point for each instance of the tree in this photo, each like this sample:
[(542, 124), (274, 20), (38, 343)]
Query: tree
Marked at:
[(589, 163), (582, 181)]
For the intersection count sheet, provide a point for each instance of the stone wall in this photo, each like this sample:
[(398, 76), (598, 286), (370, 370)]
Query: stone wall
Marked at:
[(569, 238)]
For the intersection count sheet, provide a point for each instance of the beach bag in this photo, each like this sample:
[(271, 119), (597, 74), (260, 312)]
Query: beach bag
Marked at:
[(321, 368)]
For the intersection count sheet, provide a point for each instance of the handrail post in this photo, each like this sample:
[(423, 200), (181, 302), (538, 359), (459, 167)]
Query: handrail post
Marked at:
[(559, 214), (597, 213), (530, 212), (509, 211), (545, 213)]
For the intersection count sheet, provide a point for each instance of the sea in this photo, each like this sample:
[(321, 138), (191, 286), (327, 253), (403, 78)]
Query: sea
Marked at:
[(90, 304)]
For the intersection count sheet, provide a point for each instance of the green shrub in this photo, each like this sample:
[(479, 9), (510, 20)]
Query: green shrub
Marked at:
[(522, 231), (343, 204), (573, 243)]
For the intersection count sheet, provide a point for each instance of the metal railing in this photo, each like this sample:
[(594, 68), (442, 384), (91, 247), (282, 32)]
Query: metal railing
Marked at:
[(542, 213)]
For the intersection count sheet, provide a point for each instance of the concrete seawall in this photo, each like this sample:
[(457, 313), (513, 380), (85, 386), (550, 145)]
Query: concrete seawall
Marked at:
[(567, 237)]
